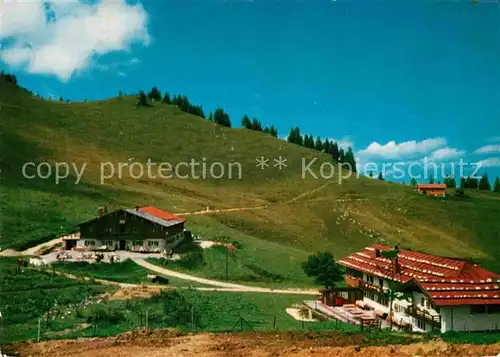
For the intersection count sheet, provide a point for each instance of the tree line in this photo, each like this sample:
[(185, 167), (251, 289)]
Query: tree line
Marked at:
[(256, 125), (219, 116), (338, 154), (483, 184)]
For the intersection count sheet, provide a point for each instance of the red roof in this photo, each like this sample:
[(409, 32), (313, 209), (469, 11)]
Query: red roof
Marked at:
[(432, 185), (447, 281), (154, 211)]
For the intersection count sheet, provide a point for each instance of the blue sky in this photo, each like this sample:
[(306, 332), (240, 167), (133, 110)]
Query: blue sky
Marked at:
[(396, 80)]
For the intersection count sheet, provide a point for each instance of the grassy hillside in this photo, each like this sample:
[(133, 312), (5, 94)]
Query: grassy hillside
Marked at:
[(294, 216)]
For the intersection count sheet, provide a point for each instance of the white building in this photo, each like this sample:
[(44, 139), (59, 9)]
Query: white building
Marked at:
[(428, 292)]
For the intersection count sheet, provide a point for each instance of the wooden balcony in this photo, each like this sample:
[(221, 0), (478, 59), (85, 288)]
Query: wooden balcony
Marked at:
[(379, 289), (433, 320), (364, 285)]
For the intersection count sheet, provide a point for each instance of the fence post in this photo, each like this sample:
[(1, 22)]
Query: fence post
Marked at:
[(39, 322), (274, 322), (192, 316), (147, 318), (95, 324)]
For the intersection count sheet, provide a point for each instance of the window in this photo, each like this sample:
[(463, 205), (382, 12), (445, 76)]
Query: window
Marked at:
[(137, 242), (399, 308), (89, 243), (384, 301), (381, 282), (478, 309), (422, 301), (369, 295), (153, 243), (369, 278), (421, 325), (493, 309)]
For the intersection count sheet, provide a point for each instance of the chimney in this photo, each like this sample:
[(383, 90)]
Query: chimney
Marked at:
[(396, 266), (100, 212), (136, 208), (377, 253)]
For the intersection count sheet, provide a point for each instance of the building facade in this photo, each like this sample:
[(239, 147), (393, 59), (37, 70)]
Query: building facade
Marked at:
[(438, 190), (140, 229), (420, 292)]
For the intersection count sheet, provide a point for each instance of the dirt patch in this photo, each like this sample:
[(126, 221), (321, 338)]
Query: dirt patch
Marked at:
[(170, 343), (82, 326), (125, 293)]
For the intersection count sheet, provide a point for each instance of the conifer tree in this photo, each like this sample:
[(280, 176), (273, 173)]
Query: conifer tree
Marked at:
[(349, 159), (496, 185), (245, 122), (484, 183), (155, 94), (166, 99), (335, 152), (142, 100), (318, 144), (256, 125)]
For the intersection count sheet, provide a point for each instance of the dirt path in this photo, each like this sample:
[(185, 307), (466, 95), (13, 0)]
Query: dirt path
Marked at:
[(292, 201), (31, 251), (168, 343), (218, 286), (221, 284)]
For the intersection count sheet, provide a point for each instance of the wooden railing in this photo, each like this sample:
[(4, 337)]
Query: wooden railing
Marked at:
[(434, 320), (379, 289)]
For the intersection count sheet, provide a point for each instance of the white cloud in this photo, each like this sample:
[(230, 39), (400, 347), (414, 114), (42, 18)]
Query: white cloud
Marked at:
[(344, 143), (446, 153), (407, 149), (490, 162), (75, 36), (488, 149)]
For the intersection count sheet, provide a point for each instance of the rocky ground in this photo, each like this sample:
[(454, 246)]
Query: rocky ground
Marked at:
[(169, 343)]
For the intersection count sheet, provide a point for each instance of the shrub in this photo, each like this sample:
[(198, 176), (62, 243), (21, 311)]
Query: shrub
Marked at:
[(176, 308), (192, 260), (110, 316)]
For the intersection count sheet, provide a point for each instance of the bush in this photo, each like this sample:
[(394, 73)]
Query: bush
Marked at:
[(110, 316), (192, 260)]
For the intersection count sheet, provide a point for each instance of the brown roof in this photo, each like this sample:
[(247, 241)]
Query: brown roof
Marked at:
[(432, 185)]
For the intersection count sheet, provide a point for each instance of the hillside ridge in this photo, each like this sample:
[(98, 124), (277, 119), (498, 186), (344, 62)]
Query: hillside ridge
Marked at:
[(300, 213)]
